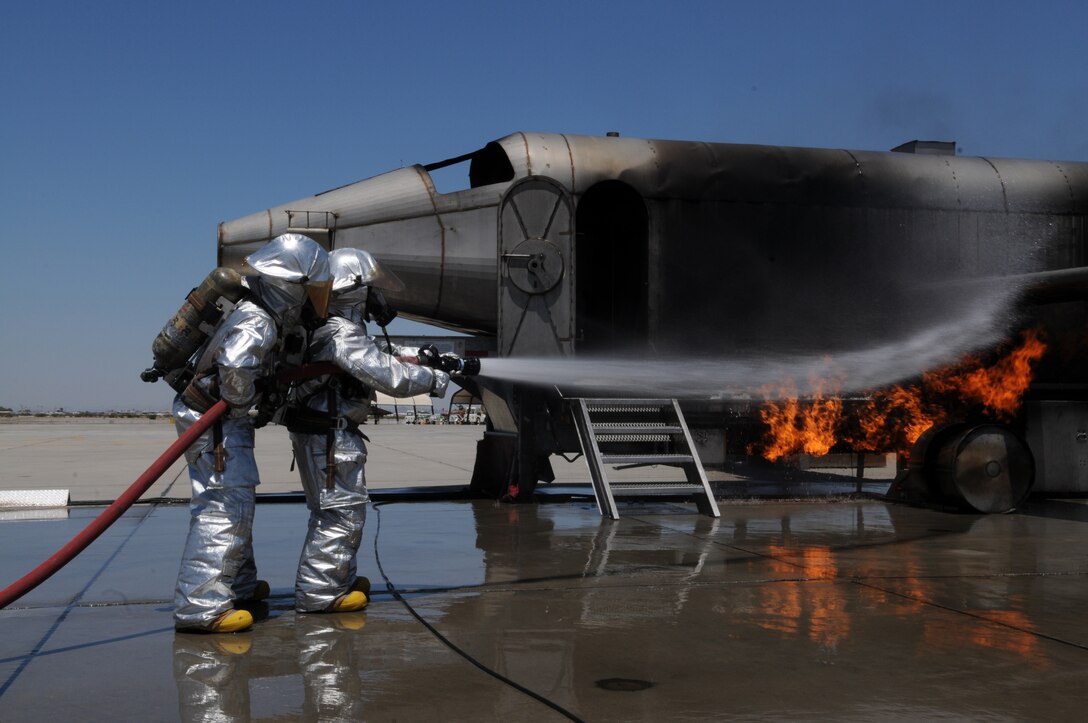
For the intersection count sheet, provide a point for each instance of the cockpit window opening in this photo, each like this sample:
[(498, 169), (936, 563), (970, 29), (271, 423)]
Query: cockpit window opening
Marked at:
[(487, 166), (490, 165)]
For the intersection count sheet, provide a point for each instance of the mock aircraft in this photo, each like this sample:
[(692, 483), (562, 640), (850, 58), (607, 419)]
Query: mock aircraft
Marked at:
[(698, 260)]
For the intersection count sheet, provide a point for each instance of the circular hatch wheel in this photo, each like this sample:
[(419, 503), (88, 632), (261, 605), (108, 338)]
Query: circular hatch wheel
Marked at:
[(535, 265)]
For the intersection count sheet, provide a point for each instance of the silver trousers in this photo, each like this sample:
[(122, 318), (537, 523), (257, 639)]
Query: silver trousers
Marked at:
[(217, 565), (327, 566)]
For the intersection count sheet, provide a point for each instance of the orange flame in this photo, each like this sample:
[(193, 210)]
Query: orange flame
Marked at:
[(893, 419), (998, 388), (808, 428)]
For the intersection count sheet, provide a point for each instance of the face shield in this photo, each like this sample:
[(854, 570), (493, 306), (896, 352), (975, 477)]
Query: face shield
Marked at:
[(383, 278), (319, 294)]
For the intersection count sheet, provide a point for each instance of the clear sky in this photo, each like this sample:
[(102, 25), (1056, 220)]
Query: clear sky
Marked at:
[(130, 129)]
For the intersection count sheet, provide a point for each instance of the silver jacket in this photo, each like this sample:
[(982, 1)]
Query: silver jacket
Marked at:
[(346, 344), (243, 347)]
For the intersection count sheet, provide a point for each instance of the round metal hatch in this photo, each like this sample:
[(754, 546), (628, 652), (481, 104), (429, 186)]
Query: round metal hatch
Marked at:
[(535, 265)]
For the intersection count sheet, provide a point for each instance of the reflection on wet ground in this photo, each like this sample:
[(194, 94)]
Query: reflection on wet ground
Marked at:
[(850, 610)]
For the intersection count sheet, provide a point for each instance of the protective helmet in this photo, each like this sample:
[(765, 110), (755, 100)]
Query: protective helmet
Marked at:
[(288, 269), (354, 273)]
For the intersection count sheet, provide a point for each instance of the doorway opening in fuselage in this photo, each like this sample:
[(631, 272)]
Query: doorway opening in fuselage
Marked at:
[(612, 250)]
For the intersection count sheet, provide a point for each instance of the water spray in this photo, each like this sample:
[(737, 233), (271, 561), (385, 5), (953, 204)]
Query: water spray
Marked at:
[(771, 375)]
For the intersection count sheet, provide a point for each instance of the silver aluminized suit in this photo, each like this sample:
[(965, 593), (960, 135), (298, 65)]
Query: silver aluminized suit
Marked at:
[(337, 502), (217, 566)]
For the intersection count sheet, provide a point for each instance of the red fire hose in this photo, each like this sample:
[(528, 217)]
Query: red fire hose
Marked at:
[(65, 554), (110, 515)]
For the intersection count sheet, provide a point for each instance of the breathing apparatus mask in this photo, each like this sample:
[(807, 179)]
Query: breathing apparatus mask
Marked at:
[(378, 309)]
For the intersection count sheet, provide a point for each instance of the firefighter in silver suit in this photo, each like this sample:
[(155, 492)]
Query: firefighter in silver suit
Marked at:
[(217, 567), (323, 418)]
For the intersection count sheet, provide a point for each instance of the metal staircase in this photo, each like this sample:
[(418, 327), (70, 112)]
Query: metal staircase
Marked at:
[(639, 432)]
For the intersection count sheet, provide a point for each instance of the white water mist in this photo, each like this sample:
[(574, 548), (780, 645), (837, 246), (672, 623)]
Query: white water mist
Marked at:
[(977, 324)]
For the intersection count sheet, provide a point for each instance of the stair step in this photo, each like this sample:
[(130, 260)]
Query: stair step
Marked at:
[(647, 459), (634, 439), (666, 486), (600, 429), (595, 403)]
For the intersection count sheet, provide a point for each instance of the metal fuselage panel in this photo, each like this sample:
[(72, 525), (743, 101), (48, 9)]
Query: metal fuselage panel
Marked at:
[(442, 246), (748, 247)]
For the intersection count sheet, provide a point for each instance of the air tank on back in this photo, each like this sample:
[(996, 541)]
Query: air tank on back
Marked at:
[(191, 326)]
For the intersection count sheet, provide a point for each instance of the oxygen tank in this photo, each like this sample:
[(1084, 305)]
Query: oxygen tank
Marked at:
[(191, 326)]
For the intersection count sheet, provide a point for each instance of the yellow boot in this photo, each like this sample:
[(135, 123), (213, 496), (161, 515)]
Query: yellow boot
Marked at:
[(349, 602), (232, 621)]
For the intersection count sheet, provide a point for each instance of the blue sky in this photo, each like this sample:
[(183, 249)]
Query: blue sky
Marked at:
[(128, 130)]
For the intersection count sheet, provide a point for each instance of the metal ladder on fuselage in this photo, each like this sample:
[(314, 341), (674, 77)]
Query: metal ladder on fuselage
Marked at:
[(639, 432)]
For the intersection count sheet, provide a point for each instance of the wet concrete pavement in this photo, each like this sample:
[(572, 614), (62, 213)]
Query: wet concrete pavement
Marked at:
[(852, 610)]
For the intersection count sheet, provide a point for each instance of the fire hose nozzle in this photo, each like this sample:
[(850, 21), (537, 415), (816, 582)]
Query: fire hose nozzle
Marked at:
[(449, 363), (470, 367)]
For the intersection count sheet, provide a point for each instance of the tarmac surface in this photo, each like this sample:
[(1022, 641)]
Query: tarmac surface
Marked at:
[(98, 459), (790, 609)]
